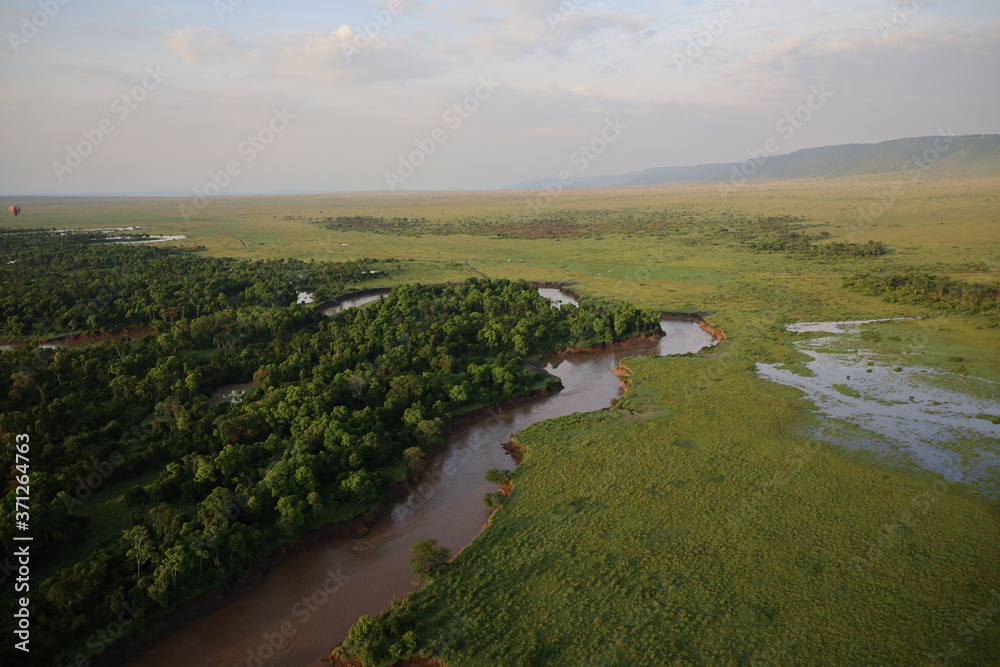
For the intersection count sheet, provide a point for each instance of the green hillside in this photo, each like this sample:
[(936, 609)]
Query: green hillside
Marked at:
[(948, 156)]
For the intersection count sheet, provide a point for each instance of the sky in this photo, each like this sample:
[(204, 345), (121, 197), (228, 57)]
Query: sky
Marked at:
[(243, 96)]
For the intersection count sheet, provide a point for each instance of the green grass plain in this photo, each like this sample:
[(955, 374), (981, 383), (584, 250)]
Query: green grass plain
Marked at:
[(713, 534), (712, 526), (945, 225)]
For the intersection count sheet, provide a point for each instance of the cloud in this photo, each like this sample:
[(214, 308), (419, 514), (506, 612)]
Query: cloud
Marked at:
[(121, 31), (553, 33), (96, 72), (199, 46), (342, 54), (913, 59), (566, 65)]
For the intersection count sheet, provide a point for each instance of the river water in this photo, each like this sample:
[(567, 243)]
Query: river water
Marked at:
[(351, 302), (307, 604), (229, 393)]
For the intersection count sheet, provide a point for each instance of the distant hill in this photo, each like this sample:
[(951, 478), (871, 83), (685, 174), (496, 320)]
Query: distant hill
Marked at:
[(966, 156)]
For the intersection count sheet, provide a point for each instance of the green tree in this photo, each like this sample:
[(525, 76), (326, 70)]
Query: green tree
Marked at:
[(218, 508), (428, 431), (415, 458), (459, 393), (291, 514), (142, 546), (174, 561), (366, 640), (427, 557), (315, 503), (162, 517), (497, 476)]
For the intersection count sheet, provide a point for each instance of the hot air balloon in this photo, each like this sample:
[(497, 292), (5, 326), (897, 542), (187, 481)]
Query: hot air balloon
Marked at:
[(15, 210)]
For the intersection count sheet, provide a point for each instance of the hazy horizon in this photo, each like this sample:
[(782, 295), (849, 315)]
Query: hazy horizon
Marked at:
[(430, 189), (165, 101)]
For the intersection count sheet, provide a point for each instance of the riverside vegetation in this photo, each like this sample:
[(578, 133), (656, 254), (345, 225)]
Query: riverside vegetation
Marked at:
[(710, 522), (709, 517), (144, 496)]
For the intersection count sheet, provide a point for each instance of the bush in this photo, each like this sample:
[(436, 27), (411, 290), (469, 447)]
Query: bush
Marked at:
[(497, 476), (365, 641), (427, 557)]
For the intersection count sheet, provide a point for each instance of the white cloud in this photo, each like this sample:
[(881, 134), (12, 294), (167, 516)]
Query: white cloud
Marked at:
[(607, 57), (197, 46), (342, 54)]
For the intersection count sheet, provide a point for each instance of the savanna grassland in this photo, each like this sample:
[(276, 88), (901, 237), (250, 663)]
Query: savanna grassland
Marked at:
[(705, 526), (947, 225), (706, 519)]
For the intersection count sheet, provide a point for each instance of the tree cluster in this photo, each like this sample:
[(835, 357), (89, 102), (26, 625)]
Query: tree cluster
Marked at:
[(938, 292), (782, 234), (144, 494), (78, 282)]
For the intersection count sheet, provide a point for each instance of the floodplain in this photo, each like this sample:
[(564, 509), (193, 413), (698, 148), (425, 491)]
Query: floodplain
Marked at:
[(713, 516)]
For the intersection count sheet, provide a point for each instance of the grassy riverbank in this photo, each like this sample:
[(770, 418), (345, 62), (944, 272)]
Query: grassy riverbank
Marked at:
[(708, 527), (711, 519), (718, 522)]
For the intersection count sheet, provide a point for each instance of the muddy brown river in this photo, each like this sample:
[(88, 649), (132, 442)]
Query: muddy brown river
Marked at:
[(306, 604)]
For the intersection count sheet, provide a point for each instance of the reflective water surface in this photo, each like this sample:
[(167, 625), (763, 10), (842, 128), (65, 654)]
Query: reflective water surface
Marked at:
[(307, 604), (351, 302), (928, 416)]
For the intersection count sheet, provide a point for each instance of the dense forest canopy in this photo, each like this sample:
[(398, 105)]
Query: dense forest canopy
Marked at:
[(81, 282), (143, 495)]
